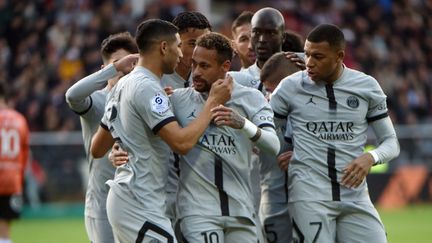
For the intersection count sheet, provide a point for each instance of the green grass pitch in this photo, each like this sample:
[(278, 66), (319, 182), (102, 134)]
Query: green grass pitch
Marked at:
[(412, 224)]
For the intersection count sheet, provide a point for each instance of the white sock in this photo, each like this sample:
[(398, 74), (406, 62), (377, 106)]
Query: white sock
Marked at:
[(3, 240)]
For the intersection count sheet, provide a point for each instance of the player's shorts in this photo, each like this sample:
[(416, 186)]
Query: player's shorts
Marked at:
[(131, 224), (218, 229), (334, 221), (10, 206), (276, 221), (98, 230)]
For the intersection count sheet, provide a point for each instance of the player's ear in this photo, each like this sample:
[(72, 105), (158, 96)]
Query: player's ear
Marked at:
[(341, 55), (163, 47), (226, 65)]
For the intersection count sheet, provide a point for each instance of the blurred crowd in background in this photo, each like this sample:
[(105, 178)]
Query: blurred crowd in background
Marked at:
[(47, 45)]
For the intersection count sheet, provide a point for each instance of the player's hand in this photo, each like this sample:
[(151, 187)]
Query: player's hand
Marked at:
[(225, 116), (168, 90), (221, 91), (118, 156), (356, 171), (126, 64), (296, 59), (284, 159)]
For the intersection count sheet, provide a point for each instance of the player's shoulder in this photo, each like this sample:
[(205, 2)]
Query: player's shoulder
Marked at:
[(246, 91), (181, 92), (244, 78), (294, 82), (359, 79)]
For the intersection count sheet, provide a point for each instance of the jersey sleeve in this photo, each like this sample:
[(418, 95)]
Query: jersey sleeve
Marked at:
[(263, 117), (244, 79), (278, 100), (79, 97), (377, 103), (153, 105)]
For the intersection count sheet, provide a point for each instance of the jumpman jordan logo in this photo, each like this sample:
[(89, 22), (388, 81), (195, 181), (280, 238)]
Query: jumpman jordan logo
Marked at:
[(192, 114), (311, 101)]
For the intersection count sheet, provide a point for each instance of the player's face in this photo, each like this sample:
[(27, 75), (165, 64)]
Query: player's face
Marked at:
[(322, 61), (266, 38), (173, 55), (242, 39), (188, 39), (206, 69)]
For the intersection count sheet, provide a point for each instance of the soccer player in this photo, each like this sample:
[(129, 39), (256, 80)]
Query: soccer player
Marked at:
[(241, 32), (215, 199), (330, 108), (14, 155), (274, 214), (191, 25), (138, 116), (87, 98)]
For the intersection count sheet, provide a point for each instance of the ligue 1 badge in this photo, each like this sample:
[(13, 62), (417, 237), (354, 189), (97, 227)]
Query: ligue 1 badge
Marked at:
[(159, 104)]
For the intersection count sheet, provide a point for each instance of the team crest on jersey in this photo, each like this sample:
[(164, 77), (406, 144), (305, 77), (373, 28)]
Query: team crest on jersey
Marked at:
[(159, 104), (353, 102)]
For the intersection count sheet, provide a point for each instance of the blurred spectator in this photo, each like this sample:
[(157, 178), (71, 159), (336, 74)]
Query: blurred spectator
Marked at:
[(44, 45)]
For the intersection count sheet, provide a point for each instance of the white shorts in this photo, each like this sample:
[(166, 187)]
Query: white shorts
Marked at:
[(335, 221), (218, 229), (130, 224), (276, 221), (98, 230)]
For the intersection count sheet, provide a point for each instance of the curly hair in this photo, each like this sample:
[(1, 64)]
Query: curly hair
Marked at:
[(191, 19), (218, 42)]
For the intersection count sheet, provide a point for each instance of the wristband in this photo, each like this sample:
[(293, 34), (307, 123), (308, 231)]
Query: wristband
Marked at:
[(375, 156), (251, 130)]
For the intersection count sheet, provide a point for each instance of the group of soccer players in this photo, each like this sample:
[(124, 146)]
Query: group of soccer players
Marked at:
[(204, 154)]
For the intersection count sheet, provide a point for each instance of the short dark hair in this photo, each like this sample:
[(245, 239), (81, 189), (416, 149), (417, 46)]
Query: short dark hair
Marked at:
[(277, 64), (329, 33), (154, 30), (218, 42), (292, 42), (191, 19), (244, 18), (115, 42)]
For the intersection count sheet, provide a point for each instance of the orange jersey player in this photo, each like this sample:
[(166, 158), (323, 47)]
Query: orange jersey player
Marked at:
[(14, 153)]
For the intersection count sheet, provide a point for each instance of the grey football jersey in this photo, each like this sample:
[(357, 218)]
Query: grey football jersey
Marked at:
[(175, 81), (136, 109), (215, 174), (249, 77), (85, 98), (329, 124)]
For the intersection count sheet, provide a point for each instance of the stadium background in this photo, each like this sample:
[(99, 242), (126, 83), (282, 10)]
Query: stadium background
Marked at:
[(47, 45)]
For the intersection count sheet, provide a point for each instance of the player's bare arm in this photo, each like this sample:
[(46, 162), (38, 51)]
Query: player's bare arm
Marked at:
[(181, 140), (102, 141)]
